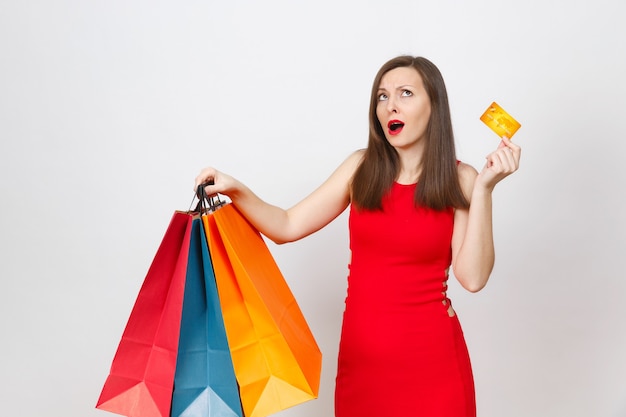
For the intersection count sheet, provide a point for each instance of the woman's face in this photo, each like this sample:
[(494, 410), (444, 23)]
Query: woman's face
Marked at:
[(403, 108)]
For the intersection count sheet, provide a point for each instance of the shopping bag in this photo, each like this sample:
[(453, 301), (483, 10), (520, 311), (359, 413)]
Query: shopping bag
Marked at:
[(276, 359), (141, 378), (204, 384)]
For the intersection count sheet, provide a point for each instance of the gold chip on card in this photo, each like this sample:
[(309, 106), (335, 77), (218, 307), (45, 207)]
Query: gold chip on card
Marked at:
[(500, 121)]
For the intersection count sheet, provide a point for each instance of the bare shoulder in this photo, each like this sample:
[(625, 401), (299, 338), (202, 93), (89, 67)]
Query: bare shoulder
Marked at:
[(467, 177), (356, 157), (342, 176), (352, 162)]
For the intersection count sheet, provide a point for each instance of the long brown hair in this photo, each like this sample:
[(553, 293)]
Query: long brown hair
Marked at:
[(438, 186)]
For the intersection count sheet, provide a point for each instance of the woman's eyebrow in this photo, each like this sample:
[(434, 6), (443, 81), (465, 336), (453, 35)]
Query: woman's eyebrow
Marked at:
[(400, 87)]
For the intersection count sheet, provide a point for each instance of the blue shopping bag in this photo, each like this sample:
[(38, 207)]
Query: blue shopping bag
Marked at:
[(204, 383)]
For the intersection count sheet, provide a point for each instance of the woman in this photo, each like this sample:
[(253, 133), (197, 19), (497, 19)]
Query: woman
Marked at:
[(415, 211)]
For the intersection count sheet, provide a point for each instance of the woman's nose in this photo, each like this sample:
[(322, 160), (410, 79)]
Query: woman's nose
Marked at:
[(391, 105)]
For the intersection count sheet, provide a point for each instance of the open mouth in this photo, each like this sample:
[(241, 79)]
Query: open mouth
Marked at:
[(395, 126)]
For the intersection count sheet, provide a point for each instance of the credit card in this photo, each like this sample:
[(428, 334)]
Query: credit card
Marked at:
[(500, 121)]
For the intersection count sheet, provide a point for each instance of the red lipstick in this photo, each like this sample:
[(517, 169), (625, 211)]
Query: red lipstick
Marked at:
[(395, 127)]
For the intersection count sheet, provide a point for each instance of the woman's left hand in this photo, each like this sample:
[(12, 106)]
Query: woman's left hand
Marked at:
[(501, 163)]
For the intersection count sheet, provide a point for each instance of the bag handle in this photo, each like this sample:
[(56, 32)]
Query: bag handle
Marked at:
[(206, 204)]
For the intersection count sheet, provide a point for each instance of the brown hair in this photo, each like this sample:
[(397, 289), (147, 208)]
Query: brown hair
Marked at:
[(438, 186)]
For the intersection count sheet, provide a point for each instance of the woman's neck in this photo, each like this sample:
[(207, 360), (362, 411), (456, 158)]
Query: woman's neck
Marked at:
[(410, 168)]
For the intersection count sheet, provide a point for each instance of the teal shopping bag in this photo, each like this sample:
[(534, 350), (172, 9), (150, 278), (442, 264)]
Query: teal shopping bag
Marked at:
[(204, 383)]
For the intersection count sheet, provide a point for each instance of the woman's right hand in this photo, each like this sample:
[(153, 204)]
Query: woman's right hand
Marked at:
[(222, 183)]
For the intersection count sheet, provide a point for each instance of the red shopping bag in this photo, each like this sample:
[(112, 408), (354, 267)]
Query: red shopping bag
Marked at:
[(141, 379)]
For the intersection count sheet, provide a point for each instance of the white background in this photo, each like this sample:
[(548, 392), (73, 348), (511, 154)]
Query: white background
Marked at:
[(109, 109)]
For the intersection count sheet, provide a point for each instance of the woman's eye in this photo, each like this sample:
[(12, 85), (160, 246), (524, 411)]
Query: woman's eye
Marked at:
[(406, 93), (382, 97)]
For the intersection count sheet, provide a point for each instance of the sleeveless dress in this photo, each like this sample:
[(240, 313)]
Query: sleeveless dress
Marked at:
[(402, 350)]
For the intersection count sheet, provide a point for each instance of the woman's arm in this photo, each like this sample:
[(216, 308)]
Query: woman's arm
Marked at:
[(473, 252), (315, 211)]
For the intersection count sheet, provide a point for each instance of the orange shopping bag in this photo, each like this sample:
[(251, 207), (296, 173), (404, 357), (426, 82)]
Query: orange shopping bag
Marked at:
[(276, 358)]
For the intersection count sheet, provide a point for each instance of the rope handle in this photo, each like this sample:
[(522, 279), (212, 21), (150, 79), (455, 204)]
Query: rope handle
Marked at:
[(206, 204)]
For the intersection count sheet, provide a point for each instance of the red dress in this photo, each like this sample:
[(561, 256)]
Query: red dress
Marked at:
[(401, 353)]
